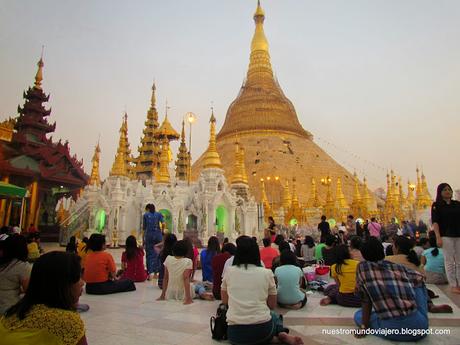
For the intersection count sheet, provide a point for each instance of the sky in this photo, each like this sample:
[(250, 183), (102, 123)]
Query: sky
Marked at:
[(376, 82)]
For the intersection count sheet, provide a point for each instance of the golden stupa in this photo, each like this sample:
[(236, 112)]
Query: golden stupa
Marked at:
[(277, 149)]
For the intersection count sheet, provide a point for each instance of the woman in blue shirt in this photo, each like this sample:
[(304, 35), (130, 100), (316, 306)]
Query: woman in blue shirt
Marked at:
[(206, 256), (288, 277), (433, 260)]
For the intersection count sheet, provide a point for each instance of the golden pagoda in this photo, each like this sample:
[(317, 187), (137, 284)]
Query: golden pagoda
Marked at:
[(163, 172), (265, 122), (266, 205), (286, 196), (423, 199), (183, 160), (356, 204), (295, 211), (128, 157), (341, 205), (149, 151), (367, 202), (239, 171), (211, 156), (329, 205), (313, 200), (95, 178), (120, 164)]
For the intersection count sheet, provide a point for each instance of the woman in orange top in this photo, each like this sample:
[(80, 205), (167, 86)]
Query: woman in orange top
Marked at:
[(100, 270)]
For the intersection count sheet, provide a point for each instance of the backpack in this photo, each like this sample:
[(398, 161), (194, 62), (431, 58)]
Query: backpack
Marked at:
[(219, 324)]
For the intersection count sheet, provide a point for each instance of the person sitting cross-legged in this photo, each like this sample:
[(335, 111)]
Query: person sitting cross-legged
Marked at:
[(289, 278), (393, 297), (249, 290), (100, 270), (344, 273), (177, 276)]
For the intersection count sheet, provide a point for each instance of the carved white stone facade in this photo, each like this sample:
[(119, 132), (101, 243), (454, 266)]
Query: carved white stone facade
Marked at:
[(191, 207)]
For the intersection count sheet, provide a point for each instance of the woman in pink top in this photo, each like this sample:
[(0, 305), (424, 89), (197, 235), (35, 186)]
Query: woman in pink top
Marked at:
[(132, 261), (374, 228)]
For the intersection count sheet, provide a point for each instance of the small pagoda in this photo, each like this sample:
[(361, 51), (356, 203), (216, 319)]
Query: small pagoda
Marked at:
[(33, 160)]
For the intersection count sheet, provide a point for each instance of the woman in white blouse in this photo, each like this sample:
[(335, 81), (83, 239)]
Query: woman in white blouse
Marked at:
[(250, 292)]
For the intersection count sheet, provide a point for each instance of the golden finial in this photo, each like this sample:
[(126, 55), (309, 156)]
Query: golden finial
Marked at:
[(259, 41), (153, 98), (95, 178), (163, 174), (119, 167), (211, 156), (39, 75), (239, 169), (313, 200)]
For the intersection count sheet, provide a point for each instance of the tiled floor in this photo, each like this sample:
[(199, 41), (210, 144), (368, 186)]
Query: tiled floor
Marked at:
[(137, 318)]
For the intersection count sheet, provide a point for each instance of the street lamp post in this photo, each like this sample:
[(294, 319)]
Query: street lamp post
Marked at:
[(191, 118)]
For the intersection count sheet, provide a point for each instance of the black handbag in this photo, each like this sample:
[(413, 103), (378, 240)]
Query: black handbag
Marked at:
[(219, 324)]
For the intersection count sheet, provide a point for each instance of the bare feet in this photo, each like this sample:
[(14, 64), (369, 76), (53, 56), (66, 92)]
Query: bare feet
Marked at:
[(442, 308), (455, 290), (188, 301), (325, 301), (293, 306), (289, 339), (207, 296)]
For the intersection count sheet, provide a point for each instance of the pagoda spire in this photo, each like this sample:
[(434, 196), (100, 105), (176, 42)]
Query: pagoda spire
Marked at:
[(339, 196), (163, 173), (211, 156), (39, 74), (128, 157), (183, 161), (357, 201), (295, 197), (95, 178), (424, 199), (149, 151), (265, 203), (119, 167), (287, 199), (366, 197), (239, 169), (313, 200)]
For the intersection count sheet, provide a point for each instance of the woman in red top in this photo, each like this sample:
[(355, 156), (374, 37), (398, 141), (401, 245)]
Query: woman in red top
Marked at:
[(132, 261), (100, 270)]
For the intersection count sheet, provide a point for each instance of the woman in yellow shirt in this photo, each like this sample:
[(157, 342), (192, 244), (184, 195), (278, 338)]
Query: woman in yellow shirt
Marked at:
[(344, 273), (46, 314)]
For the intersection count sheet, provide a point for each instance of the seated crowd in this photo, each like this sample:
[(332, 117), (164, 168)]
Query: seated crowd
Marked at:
[(384, 276)]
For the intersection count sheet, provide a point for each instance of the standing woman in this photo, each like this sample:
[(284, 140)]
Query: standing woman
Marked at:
[(445, 216), (153, 224)]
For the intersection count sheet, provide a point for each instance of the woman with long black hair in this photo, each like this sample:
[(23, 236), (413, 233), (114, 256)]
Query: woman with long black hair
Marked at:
[(433, 261), (445, 216)]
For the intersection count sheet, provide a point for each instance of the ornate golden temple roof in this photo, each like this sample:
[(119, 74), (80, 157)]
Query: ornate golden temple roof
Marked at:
[(261, 105), (211, 156)]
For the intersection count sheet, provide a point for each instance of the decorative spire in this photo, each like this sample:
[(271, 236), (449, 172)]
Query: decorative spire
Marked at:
[(149, 151), (39, 75), (265, 203), (259, 65), (286, 196), (211, 157), (357, 201), (183, 161), (95, 178), (339, 196), (163, 174), (424, 198), (366, 196), (313, 200), (239, 170), (119, 167), (410, 193), (402, 198), (128, 157)]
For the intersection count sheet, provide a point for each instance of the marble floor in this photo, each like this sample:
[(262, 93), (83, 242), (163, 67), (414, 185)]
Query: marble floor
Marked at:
[(137, 318)]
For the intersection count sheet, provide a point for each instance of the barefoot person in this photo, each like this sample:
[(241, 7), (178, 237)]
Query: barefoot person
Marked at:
[(177, 277), (445, 215), (250, 292)]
